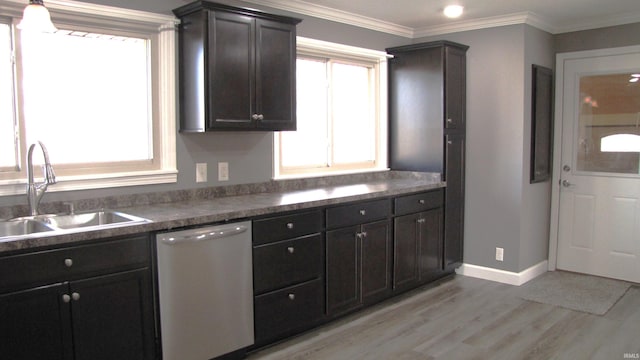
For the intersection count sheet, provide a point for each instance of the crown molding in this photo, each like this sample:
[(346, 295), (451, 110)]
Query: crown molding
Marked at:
[(595, 23), (484, 23), (529, 18), (323, 12)]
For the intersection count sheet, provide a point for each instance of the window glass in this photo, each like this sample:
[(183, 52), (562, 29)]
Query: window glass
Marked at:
[(354, 124), (609, 124), (89, 102), (341, 120), (307, 147), (8, 149)]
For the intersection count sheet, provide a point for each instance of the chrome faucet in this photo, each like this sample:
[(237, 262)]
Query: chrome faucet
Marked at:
[(35, 191)]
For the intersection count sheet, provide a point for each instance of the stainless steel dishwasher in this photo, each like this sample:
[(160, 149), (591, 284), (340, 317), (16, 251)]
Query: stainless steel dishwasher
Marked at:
[(205, 289)]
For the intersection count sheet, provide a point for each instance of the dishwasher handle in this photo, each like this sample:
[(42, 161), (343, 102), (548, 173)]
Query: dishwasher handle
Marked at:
[(197, 235)]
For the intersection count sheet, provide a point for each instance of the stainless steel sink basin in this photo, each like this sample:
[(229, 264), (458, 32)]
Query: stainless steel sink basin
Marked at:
[(21, 227), (65, 223), (100, 219)]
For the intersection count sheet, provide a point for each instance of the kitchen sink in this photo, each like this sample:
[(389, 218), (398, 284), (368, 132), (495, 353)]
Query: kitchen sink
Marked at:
[(100, 218), (64, 223), (21, 227)]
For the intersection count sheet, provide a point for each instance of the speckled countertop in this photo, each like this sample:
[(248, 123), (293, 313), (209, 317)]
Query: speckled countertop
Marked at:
[(177, 209)]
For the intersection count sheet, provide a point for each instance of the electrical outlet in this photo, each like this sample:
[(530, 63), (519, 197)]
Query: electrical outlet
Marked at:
[(223, 171), (499, 254), (201, 172)]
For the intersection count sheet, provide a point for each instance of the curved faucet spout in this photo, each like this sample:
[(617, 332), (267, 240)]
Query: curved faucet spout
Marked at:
[(36, 191)]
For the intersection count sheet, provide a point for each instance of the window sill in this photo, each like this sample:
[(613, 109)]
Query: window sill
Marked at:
[(326, 173), (71, 183)]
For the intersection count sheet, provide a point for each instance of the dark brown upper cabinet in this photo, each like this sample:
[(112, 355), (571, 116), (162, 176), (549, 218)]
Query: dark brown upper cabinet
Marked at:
[(237, 69)]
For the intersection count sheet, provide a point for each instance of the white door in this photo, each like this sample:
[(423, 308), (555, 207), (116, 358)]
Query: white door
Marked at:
[(599, 170)]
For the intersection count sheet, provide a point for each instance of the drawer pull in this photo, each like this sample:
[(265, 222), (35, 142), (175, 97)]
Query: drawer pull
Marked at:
[(289, 225), (291, 249), (68, 262), (75, 296), (292, 296), (363, 212), (66, 298), (421, 201)]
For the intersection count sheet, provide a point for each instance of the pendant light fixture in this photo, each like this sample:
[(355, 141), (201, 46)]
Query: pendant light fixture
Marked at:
[(36, 17)]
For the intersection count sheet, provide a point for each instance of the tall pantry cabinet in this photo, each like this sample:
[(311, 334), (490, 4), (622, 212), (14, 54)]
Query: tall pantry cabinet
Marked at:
[(427, 101)]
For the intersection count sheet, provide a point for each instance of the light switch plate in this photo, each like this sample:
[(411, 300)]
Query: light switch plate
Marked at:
[(201, 172), (223, 171)]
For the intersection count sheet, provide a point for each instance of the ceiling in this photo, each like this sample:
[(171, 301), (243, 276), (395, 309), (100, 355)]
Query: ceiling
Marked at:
[(418, 18)]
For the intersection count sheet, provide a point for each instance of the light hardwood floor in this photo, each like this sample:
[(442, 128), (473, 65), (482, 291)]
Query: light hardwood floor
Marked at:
[(468, 318)]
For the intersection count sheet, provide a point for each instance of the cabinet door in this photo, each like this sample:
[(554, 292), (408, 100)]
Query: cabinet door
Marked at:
[(455, 88), (430, 244), (416, 110), (454, 201), (231, 71), (113, 317), (375, 260), (275, 75), (35, 324), (343, 270), (405, 253)]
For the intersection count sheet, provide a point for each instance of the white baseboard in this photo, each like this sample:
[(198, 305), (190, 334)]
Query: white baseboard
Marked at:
[(502, 276)]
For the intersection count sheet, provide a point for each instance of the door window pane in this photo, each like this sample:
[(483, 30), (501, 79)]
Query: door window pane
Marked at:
[(8, 146), (609, 124)]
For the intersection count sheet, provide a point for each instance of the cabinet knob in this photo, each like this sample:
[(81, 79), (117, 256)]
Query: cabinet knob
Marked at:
[(292, 296), (421, 201), (449, 121), (66, 298), (289, 225), (449, 142), (68, 262), (254, 117), (260, 117), (363, 212), (75, 296), (291, 249), (363, 234), (421, 220)]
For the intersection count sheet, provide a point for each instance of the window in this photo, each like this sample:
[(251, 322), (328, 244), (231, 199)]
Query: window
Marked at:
[(100, 96), (341, 112)]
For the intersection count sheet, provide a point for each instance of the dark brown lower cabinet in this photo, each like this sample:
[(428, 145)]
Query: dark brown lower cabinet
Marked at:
[(106, 317), (86, 302), (288, 268), (417, 249), (454, 201), (284, 312), (358, 266), (35, 324)]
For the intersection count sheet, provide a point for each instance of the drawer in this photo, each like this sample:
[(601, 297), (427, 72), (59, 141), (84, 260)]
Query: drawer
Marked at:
[(45, 267), (282, 313), (359, 213), (418, 202), (284, 263), (286, 227)]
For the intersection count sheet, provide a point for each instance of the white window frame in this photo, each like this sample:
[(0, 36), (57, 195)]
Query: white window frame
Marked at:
[(161, 29), (310, 48)]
